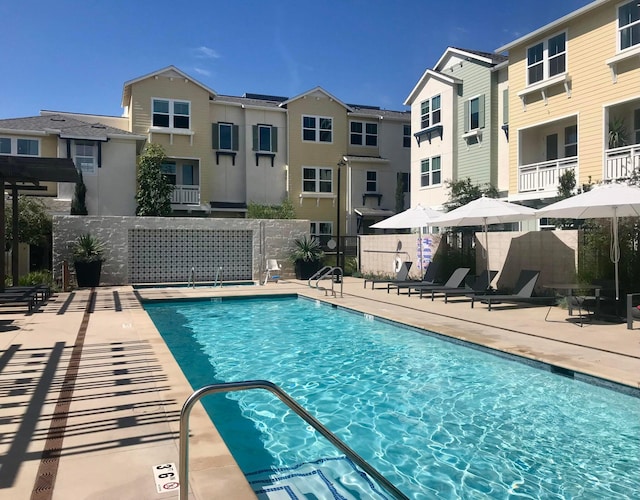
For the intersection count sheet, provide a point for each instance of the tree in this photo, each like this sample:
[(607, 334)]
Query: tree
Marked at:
[(282, 211), (78, 205), (463, 191), (154, 190), (34, 222), (400, 189)]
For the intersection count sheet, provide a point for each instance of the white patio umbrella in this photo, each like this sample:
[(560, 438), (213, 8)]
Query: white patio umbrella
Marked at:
[(602, 202), (483, 212), (411, 218)]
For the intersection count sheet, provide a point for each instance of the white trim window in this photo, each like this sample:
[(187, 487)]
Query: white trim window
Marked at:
[(265, 138), (19, 146), (430, 172), (571, 141), (321, 230), (317, 129), (474, 113), (547, 58), (170, 113), (372, 181), (85, 156), (430, 112), (628, 25), (169, 171), (406, 136), (317, 180), (363, 133)]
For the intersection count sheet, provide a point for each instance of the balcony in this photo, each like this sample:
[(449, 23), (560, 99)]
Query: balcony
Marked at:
[(543, 176), (184, 194), (621, 162)]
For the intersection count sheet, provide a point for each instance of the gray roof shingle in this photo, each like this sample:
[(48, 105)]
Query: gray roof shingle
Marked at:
[(68, 127)]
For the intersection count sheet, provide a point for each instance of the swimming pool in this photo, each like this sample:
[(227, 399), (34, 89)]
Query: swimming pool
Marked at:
[(436, 418)]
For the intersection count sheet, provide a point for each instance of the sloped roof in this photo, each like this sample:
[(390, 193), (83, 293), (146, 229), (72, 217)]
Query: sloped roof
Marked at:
[(248, 101), (168, 71), (64, 126), (486, 57), (495, 58), (29, 169), (312, 91), (429, 73), (380, 113)]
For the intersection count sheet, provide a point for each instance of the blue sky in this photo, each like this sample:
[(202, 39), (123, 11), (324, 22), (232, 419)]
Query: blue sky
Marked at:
[(75, 56)]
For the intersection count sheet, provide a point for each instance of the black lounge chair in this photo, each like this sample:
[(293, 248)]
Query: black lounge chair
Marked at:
[(455, 281), (523, 292), (429, 278), (480, 285), (401, 276)]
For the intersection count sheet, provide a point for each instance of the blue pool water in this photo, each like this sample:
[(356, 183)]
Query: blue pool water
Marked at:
[(438, 419)]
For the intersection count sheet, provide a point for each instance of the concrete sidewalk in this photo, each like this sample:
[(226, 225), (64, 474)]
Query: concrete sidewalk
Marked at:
[(92, 396)]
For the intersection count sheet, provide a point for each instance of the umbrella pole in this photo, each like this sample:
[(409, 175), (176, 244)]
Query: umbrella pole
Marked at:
[(486, 248), (615, 251)]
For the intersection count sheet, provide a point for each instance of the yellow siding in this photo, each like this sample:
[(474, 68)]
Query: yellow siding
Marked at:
[(310, 154), (591, 40)]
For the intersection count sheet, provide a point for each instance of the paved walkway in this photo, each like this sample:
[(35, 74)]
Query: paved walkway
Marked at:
[(91, 396)]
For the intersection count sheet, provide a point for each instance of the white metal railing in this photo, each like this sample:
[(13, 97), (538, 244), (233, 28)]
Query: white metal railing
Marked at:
[(543, 176), (621, 162), (185, 194)]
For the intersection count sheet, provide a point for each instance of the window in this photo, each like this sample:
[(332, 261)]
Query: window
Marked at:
[(629, 24), (552, 147), (168, 169), (636, 125), (363, 133), (322, 231), (406, 136), (171, 114), (430, 173), (28, 147), (5, 146), (317, 129), (22, 147), (372, 181), (571, 141), (85, 156), (188, 175), (474, 114), (265, 138), (547, 59), (317, 180), (430, 112), (225, 136)]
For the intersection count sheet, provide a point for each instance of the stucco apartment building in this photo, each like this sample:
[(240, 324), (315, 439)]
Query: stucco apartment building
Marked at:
[(224, 152), (572, 83)]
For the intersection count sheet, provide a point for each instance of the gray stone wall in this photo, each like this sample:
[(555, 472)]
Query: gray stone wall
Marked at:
[(270, 238)]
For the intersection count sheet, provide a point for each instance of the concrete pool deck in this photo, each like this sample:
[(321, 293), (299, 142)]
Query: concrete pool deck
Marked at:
[(91, 396)]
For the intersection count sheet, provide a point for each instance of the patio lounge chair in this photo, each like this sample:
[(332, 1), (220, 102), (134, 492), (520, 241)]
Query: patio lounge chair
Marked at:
[(455, 280), (429, 278), (480, 285), (523, 292), (28, 297), (401, 276), (633, 311), (272, 272)]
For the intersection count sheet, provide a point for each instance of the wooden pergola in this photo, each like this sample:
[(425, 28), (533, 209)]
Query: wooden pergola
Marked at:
[(25, 172)]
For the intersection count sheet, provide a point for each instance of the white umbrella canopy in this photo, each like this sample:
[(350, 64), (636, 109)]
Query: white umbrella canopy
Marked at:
[(413, 217), (602, 202), (482, 212)]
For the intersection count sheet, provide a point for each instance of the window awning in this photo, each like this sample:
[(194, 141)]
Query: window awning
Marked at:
[(373, 212)]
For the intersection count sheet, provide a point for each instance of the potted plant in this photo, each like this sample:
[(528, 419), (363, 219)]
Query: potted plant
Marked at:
[(306, 256), (88, 256)]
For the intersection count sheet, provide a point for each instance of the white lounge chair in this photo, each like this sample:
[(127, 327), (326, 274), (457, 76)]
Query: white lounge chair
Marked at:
[(272, 271)]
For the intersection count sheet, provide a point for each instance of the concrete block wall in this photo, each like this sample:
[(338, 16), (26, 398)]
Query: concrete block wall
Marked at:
[(271, 238)]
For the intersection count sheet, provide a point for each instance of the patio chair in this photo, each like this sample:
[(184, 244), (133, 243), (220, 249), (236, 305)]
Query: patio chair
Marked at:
[(429, 278), (401, 276), (479, 285), (523, 292), (272, 271), (633, 310), (455, 281)]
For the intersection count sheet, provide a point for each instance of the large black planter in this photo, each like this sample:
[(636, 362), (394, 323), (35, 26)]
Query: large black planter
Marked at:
[(88, 273), (305, 269)]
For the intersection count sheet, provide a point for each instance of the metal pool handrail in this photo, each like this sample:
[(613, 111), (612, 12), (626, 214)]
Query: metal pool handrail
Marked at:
[(183, 466)]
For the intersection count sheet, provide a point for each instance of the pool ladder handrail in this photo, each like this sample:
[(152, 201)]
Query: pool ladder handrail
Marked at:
[(334, 272), (217, 280), (192, 278), (183, 465)]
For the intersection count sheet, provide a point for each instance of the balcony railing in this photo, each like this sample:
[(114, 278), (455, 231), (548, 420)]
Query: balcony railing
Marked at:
[(544, 176), (621, 162), (184, 194)]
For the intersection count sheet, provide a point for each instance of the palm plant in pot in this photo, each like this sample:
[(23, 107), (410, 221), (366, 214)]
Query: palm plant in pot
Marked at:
[(88, 256), (307, 256)]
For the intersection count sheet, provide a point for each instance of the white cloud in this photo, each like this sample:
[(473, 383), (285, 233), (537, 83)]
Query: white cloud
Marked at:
[(203, 52), (202, 71)]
